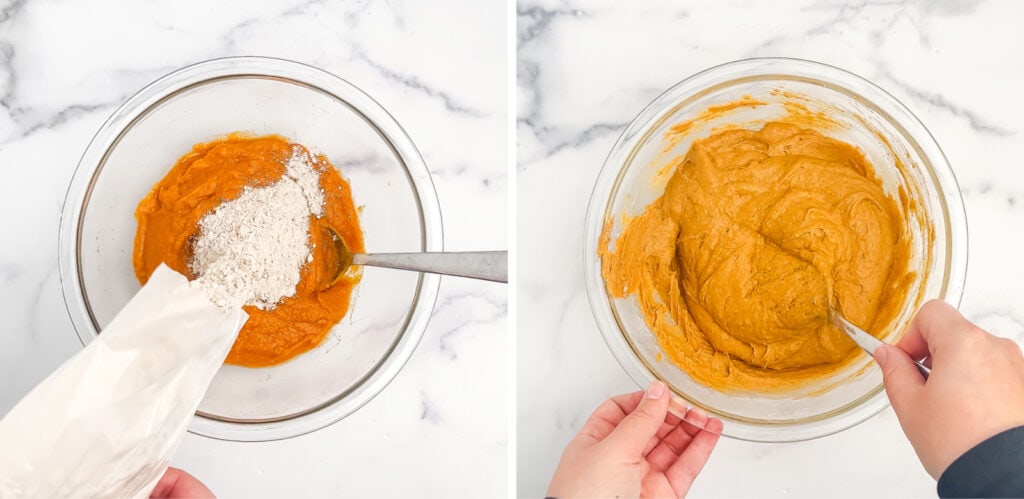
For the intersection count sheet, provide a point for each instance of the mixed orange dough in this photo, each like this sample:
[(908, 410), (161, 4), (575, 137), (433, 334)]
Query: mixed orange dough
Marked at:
[(217, 171), (757, 234)]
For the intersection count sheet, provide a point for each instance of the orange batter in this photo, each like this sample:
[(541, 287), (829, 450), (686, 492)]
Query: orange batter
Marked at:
[(757, 234), (217, 171)]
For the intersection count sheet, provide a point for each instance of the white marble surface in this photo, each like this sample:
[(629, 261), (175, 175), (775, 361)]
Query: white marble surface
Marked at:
[(585, 68), (439, 430)]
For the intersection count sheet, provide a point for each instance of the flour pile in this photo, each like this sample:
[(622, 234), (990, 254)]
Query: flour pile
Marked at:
[(251, 250)]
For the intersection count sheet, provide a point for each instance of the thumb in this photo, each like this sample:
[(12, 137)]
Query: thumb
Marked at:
[(902, 380), (636, 429)]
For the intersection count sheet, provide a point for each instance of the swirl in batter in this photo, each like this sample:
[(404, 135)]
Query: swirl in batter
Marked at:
[(757, 234)]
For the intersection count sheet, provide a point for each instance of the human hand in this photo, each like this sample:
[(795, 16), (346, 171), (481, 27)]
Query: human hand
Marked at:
[(632, 447), (176, 484), (975, 390)]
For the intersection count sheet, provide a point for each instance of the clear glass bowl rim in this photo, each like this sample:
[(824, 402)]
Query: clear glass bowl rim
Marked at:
[(763, 68), (316, 79)]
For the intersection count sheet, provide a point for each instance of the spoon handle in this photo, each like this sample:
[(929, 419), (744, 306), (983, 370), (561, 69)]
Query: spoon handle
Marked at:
[(866, 341), (486, 265)]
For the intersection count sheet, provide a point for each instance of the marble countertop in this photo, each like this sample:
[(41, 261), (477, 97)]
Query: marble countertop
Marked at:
[(439, 429), (585, 68)]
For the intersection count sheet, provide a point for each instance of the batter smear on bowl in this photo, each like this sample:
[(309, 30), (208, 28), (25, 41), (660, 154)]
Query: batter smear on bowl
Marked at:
[(757, 234), (246, 218)]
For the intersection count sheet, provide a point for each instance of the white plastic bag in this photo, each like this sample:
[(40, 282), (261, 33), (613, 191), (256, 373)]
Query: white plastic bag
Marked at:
[(107, 422)]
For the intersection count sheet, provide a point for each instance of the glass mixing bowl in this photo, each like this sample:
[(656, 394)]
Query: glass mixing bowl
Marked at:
[(905, 156), (399, 213)]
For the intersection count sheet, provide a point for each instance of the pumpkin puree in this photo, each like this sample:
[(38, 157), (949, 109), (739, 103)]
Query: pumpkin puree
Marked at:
[(217, 171), (757, 234)]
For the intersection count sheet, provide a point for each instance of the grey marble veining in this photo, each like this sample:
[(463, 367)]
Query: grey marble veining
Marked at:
[(586, 68), (65, 66)]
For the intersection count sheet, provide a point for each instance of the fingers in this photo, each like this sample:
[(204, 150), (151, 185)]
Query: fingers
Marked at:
[(178, 484), (669, 448), (903, 382), (934, 325), (667, 427), (608, 415), (675, 442), (627, 402), (682, 473), (636, 429)]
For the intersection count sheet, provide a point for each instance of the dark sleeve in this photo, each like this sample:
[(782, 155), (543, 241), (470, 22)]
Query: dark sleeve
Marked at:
[(993, 468)]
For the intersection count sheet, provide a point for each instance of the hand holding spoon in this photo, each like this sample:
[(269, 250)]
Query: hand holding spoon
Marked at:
[(864, 340)]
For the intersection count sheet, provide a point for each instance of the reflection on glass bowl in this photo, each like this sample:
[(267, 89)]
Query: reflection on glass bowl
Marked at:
[(904, 155), (399, 213)]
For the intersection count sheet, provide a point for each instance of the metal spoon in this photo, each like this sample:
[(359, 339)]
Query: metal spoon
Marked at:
[(864, 340), (486, 265)]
